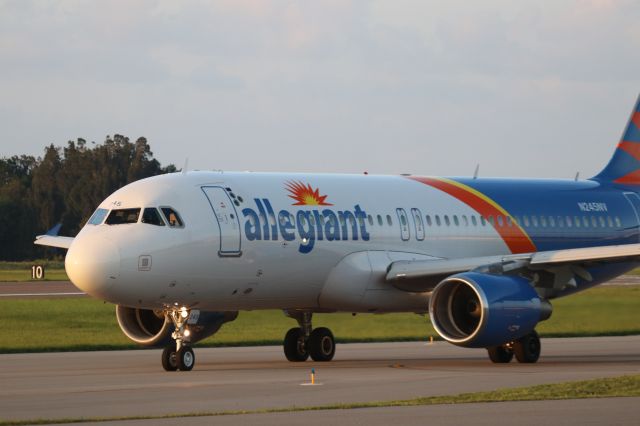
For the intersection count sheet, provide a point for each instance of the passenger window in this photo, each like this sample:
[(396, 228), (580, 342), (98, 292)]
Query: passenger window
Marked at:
[(500, 221), (380, 220), (509, 222), (455, 220), (473, 221), (172, 217), (585, 221), (389, 221), (594, 222), (609, 222), (370, 218), (98, 217), (428, 217), (534, 221), (543, 221), (438, 220), (151, 216), (122, 216), (491, 221), (446, 220), (576, 221), (560, 222), (569, 222), (465, 220), (618, 223), (526, 220), (483, 221)]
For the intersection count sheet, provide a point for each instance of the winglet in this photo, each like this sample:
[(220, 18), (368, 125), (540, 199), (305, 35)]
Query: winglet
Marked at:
[(55, 230), (624, 167)]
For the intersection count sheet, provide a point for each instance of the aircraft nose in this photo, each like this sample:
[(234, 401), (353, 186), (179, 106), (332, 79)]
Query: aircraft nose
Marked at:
[(93, 265)]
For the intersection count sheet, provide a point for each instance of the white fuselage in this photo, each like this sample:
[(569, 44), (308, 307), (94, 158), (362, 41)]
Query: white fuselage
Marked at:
[(249, 243)]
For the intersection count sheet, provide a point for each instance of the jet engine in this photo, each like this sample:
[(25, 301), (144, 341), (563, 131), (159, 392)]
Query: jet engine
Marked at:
[(152, 328), (480, 310)]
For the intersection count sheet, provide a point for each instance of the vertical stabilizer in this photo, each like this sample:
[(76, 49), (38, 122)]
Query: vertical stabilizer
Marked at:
[(624, 167)]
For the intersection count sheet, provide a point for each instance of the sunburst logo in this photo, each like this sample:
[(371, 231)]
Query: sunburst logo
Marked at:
[(305, 195)]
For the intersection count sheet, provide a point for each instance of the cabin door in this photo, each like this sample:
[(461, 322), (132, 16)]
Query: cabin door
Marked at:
[(227, 220)]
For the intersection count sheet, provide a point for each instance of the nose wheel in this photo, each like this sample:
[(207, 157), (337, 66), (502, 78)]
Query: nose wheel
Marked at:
[(303, 342), (179, 355)]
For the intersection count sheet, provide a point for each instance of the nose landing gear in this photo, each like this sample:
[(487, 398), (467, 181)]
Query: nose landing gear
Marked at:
[(303, 342), (179, 356)]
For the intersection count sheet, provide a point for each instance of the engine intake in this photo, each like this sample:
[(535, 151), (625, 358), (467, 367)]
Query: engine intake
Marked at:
[(152, 328), (481, 310)]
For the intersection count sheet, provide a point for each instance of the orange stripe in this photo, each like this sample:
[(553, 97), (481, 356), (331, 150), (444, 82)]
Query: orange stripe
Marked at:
[(514, 236)]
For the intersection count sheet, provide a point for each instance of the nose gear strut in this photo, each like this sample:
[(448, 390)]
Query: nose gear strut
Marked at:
[(180, 356)]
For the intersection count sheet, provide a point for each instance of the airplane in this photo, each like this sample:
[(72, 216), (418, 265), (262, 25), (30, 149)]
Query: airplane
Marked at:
[(180, 254)]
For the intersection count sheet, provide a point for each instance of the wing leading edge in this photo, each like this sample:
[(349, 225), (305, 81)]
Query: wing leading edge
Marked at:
[(53, 241), (424, 275)]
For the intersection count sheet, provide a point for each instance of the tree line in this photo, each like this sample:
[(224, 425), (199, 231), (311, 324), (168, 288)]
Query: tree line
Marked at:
[(65, 186)]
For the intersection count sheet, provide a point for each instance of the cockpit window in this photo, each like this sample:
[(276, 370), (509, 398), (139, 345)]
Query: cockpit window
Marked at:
[(98, 216), (173, 218), (121, 216), (152, 217)]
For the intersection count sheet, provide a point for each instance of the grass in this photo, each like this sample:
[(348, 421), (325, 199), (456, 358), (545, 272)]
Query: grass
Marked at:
[(41, 325), (624, 386)]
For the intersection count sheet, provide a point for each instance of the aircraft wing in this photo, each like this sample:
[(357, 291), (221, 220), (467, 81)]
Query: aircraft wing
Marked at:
[(53, 241), (563, 266)]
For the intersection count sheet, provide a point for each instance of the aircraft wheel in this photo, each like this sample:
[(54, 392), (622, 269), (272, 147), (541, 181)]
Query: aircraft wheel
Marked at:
[(527, 348), (294, 345), (322, 346), (186, 358), (169, 358), (500, 354)]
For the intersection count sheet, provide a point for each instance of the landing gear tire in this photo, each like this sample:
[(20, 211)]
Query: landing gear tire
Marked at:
[(186, 359), (295, 347), (169, 358), (500, 354), (527, 348), (321, 344)]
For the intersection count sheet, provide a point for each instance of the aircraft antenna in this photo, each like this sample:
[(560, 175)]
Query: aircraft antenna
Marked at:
[(475, 174), (186, 164), (577, 176)]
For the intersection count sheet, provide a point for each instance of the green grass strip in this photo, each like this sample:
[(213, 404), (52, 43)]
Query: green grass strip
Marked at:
[(624, 386)]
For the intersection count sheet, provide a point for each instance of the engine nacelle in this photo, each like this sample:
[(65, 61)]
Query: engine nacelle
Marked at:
[(152, 328), (480, 310)]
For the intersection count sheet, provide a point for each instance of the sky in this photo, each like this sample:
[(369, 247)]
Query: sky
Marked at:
[(524, 89)]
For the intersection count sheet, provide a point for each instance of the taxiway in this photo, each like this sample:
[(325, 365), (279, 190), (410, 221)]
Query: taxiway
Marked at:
[(132, 383)]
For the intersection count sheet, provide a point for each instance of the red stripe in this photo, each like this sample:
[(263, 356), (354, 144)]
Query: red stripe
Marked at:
[(636, 119), (514, 237), (632, 178), (631, 148)]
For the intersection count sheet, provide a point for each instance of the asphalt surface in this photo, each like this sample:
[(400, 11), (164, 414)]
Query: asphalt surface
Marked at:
[(132, 383)]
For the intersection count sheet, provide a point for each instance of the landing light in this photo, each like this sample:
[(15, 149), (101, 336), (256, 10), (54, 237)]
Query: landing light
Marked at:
[(187, 333), (183, 312)]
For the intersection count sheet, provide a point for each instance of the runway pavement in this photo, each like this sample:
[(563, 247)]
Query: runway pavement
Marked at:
[(130, 383)]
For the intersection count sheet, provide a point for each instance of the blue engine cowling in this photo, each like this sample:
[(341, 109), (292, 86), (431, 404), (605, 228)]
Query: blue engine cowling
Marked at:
[(480, 310)]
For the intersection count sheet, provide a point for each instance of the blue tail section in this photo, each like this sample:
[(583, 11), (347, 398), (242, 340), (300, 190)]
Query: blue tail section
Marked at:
[(624, 167)]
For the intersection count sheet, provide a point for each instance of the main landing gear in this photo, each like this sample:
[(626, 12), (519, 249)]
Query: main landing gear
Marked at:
[(179, 356), (526, 349), (304, 341)]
